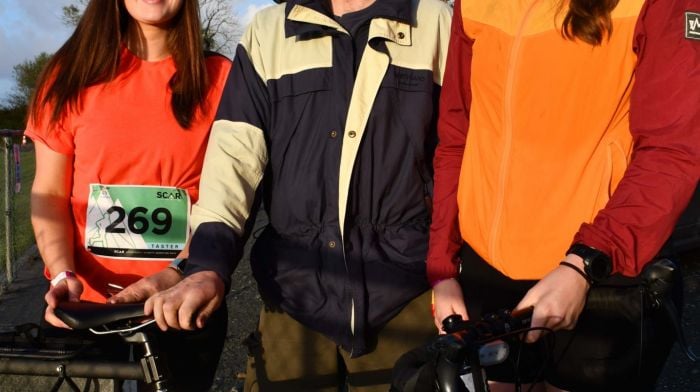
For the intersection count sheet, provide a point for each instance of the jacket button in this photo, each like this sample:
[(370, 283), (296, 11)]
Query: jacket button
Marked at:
[(401, 35), (352, 134), (331, 244), (333, 134)]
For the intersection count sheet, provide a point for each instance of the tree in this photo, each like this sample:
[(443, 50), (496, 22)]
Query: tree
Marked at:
[(12, 118), (26, 75), (73, 12), (221, 29)]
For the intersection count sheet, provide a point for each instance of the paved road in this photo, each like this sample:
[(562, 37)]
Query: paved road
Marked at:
[(24, 300)]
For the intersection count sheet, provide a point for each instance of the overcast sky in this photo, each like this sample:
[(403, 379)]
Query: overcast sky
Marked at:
[(29, 27)]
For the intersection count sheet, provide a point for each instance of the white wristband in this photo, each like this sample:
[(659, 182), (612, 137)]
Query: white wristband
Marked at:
[(61, 276)]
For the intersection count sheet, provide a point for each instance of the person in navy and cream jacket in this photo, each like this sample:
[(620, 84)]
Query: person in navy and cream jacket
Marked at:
[(329, 113)]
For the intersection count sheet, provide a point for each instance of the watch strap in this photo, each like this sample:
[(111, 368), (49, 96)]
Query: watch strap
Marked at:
[(178, 264), (583, 251)]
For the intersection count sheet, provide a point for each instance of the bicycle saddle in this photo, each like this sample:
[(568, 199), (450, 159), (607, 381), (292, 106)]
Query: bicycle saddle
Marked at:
[(84, 315)]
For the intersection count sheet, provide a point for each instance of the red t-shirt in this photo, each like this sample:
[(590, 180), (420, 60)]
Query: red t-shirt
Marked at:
[(126, 134)]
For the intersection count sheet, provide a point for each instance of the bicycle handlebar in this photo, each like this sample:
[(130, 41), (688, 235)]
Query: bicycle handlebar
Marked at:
[(463, 340)]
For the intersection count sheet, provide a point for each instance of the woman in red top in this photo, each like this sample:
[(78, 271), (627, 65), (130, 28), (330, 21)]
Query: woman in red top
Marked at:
[(121, 119)]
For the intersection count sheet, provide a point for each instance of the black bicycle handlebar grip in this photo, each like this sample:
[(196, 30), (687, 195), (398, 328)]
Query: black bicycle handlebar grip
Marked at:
[(452, 323)]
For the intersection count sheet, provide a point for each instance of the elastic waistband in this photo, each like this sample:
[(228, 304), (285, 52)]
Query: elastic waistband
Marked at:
[(484, 287)]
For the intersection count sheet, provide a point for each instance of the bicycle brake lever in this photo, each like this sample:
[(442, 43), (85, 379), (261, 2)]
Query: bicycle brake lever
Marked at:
[(520, 318)]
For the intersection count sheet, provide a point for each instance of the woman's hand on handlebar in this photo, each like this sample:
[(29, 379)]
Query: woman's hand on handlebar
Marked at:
[(448, 300), (558, 299), (147, 286), (189, 303), (69, 289)]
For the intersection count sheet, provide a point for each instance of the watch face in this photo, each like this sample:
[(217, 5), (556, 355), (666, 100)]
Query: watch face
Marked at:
[(599, 266), (596, 264)]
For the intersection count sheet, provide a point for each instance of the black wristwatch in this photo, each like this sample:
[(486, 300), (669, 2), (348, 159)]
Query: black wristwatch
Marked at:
[(596, 264), (178, 265)]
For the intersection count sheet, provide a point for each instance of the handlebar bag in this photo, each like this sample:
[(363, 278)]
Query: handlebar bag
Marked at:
[(624, 334)]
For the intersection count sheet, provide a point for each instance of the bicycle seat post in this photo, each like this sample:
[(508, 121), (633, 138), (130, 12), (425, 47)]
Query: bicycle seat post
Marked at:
[(154, 370)]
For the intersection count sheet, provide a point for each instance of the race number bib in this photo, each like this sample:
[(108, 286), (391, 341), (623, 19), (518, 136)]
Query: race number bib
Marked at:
[(136, 222)]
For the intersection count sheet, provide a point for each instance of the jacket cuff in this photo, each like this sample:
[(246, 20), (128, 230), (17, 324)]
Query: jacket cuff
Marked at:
[(215, 247), (439, 270), (589, 236)]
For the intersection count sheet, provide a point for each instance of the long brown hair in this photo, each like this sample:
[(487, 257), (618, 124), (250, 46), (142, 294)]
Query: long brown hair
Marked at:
[(589, 20), (91, 56)]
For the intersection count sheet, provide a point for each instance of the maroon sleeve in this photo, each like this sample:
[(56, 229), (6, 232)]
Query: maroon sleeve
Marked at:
[(665, 125), (453, 122)]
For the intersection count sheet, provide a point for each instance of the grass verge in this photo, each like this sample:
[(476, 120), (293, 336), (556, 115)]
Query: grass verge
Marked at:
[(21, 227)]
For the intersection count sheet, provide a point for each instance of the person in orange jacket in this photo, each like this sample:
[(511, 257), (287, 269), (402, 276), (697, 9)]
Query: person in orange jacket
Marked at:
[(568, 132)]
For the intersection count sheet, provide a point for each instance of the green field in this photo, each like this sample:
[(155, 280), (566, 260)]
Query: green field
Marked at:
[(23, 236)]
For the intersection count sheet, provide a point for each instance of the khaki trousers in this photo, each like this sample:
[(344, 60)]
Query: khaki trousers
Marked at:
[(291, 357)]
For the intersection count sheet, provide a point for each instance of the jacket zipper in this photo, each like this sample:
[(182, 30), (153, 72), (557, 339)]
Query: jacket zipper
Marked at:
[(507, 145)]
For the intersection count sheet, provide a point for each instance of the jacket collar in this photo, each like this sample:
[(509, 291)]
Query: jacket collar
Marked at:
[(312, 18)]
